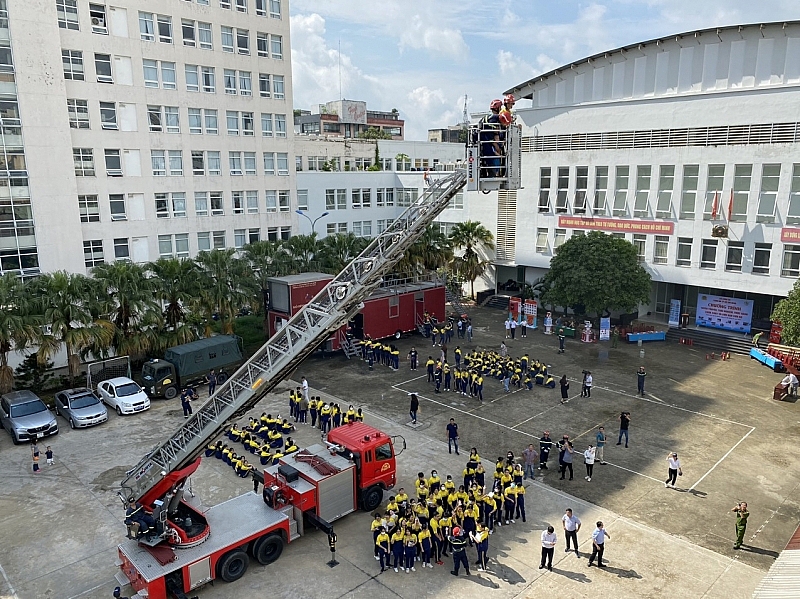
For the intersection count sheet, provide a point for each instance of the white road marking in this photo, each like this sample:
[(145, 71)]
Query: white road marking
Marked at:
[(8, 582), (722, 458)]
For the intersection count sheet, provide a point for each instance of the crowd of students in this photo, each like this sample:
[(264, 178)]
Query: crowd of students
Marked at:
[(446, 517), (467, 376)]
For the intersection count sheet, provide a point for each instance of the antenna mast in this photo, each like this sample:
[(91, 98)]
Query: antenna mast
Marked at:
[(465, 117)]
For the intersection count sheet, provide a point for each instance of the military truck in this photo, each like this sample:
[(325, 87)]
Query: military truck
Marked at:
[(190, 363)]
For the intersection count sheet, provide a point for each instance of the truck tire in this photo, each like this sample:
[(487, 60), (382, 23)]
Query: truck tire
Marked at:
[(233, 565), (398, 333), (222, 377), (170, 393), (371, 498), (267, 549)]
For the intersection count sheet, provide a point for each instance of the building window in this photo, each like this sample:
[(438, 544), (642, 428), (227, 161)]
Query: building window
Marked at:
[(252, 202), (172, 119), (198, 163), (247, 124), (600, 189), (735, 253), (113, 163), (235, 163), (241, 5), (164, 29), (195, 121), (562, 200), (108, 115), (182, 245), (187, 29), (262, 44), (276, 46), (93, 252), (661, 249), (264, 88), (97, 14), (84, 162), (791, 261), (158, 162), (165, 246), (302, 199), (201, 203), (229, 81), (691, 173), (237, 201), (89, 209), (357, 228), (708, 253), (641, 202), (72, 61), (78, 111), (621, 183), (150, 68), (175, 163), (684, 256), (249, 163), (741, 192), (559, 239), (283, 200), (541, 240), (67, 11), (155, 118), (204, 37), (211, 122), (226, 35), (544, 189), (122, 251), (275, 9), (640, 243), (253, 235), (209, 79), (666, 182), (192, 78), (102, 67), (245, 83), (162, 205), (239, 238), (716, 176), (761, 258), (232, 120), (277, 87), (116, 203), (269, 163), (280, 125), (203, 241), (217, 207), (243, 41), (768, 198), (283, 163), (581, 185), (266, 125), (214, 163), (219, 240), (272, 200), (793, 214)]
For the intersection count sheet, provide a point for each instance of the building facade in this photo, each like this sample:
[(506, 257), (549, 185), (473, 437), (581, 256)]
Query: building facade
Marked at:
[(337, 176), (688, 147), (143, 130), (348, 119)]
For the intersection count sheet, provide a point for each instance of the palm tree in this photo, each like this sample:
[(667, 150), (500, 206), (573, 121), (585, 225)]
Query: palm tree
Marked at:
[(339, 250), (220, 281), (474, 240), (18, 324), (129, 301), (68, 304), (175, 285), (266, 259), (304, 251), (430, 252)]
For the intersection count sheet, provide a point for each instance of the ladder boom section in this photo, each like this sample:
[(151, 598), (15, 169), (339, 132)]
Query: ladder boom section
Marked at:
[(328, 311)]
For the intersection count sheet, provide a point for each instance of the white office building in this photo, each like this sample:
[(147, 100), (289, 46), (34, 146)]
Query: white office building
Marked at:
[(142, 129), (687, 146), (334, 177)]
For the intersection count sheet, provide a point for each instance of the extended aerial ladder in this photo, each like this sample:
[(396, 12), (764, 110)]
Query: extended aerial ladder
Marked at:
[(308, 328)]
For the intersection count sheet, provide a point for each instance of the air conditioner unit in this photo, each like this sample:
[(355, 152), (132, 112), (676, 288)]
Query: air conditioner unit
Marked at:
[(98, 22)]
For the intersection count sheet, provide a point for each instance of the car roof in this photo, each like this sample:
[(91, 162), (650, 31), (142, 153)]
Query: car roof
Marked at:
[(120, 380), (22, 396), (77, 391)]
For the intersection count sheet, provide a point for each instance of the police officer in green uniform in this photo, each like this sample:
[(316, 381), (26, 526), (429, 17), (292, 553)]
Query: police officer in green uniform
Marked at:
[(741, 522)]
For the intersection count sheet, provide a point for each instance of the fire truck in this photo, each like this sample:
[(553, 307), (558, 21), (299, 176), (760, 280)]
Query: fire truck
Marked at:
[(315, 486)]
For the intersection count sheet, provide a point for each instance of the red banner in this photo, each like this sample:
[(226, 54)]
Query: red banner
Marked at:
[(658, 227), (790, 235)]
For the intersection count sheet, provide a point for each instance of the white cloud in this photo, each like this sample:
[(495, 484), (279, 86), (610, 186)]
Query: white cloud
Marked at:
[(513, 65)]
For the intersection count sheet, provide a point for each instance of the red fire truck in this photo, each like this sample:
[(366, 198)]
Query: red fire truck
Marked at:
[(315, 486), (389, 311)]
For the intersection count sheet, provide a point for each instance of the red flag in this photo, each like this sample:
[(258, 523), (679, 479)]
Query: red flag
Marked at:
[(715, 205), (730, 206)]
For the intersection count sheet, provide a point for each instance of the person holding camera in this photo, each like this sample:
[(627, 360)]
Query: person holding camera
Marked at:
[(624, 423), (674, 470), (741, 522)]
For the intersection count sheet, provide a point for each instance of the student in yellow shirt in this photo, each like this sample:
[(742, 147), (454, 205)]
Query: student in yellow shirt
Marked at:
[(397, 547), (424, 538), (434, 482), (382, 545), (410, 546), (402, 501), (375, 527)]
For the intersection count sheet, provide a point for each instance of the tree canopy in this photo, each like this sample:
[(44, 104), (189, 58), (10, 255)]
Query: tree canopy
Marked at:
[(474, 241), (598, 273), (787, 312)]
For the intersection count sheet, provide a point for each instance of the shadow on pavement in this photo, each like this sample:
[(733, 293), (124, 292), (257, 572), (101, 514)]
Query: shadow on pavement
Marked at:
[(576, 576), (759, 550)]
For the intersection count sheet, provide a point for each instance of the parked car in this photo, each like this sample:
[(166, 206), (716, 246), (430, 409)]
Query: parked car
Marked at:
[(81, 407), (124, 395), (26, 417)]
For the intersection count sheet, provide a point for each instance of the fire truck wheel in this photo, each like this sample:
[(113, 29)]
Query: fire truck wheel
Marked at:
[(222, 377), (398, 334), (233, 565), (170, 392), (267, 549), (372, 498)]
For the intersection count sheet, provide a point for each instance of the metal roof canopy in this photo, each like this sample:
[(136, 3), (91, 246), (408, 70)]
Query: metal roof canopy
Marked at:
[(306, 277), (193, 346)]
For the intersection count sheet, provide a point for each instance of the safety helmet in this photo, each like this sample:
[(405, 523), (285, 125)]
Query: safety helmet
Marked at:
[(456, 531), (509, 99), (495, 104), (505, 118)]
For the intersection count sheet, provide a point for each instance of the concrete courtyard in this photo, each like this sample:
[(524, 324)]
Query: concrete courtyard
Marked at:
[(60, 528)]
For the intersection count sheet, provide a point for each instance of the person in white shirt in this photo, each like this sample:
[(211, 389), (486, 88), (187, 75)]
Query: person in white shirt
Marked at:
[(549, 541), (599, 537), (790, 382), (674, 470), (588, 384), (305, 388), (588, 459), (508, 328), (572, 525)]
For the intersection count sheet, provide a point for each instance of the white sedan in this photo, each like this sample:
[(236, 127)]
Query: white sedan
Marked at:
[(124, 395)]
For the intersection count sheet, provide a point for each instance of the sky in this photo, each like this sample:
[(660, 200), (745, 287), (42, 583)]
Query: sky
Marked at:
[(423, 56)]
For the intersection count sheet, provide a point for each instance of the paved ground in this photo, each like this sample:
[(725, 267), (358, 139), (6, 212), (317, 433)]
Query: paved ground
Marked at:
[(60, 528)]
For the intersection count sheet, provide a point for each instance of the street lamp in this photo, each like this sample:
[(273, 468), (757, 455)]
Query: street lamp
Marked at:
[(313, 222)]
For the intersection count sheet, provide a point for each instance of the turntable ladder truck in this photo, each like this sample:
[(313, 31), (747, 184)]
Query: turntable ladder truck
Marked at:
[(316, 485)]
